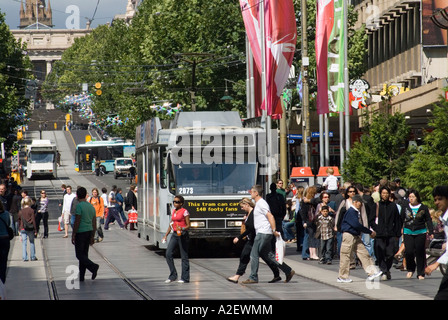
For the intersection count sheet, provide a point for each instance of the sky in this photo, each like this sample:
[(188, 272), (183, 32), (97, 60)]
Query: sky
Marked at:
[(107, 9)]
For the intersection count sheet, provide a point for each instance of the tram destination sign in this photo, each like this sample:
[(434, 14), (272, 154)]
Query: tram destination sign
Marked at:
[(214, 208)]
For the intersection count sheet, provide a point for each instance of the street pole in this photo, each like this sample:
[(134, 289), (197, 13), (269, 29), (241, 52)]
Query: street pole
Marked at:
[(283, 145), (305, 100)]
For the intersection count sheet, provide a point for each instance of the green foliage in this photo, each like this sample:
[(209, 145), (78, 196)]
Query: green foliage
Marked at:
[(380, 154), (429, 167), (14, 71)]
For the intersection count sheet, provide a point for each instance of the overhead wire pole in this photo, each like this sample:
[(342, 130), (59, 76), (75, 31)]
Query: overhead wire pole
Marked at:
[(193, 63), (305, 100)]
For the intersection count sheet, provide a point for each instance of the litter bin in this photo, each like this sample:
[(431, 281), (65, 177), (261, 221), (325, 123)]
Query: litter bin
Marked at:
[(302, 176)]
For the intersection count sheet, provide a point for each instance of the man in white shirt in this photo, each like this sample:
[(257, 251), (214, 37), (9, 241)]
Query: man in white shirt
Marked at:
[(66, 207), (265, 231), (440, 194)]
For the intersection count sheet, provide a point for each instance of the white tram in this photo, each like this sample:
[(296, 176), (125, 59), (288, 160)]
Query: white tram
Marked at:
[(209, 159), (41, 159)]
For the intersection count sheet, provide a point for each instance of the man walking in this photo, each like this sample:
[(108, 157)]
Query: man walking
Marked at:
[(265, 231), (83, 232), (440, 194)]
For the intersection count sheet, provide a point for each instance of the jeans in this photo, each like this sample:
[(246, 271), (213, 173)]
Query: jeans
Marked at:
[(326, 247), (288, 233), (99, 230), (263, 248), (113, 213), (181, 241), (82, 244), (244, 258), (28, 234), (44, 216), (305, 252)]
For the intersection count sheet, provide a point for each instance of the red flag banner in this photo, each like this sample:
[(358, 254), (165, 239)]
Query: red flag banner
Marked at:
[(280, 42), (324, 26)]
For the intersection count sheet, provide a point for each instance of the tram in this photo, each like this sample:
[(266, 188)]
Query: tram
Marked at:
[(41, 159), (207, 157)]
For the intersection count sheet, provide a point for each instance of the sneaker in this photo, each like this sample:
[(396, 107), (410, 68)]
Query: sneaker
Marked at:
[(342, 280), (169, 281), (375, 275), (182, 281)]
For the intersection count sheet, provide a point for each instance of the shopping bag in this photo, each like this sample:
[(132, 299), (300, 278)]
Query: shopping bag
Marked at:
[(279, 249), (60, 228), (132, 216)]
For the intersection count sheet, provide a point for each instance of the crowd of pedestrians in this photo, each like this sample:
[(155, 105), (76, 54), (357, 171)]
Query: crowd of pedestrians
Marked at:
[(82, 212)]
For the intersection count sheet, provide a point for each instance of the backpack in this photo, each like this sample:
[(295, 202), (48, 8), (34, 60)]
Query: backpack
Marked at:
[(28, 226), (341, 217)]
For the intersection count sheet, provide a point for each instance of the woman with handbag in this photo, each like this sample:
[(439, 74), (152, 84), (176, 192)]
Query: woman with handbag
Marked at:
[(4, 247)]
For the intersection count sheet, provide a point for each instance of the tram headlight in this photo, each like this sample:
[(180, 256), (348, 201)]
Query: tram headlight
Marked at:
[(197, 224), (237, 223)]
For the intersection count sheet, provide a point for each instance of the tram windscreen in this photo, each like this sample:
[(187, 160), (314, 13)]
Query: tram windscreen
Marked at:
[(41, 157), (197, 179)]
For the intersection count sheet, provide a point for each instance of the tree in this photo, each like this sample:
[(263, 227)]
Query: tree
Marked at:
[(380, 154), (429, 167), (14, 73)]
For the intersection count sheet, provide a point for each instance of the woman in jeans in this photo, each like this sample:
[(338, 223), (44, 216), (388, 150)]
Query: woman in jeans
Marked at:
[(417, 224), (180, 223), (42, 212), (246, 205)]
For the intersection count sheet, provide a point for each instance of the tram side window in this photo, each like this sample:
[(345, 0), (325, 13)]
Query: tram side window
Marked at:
[(162, 164)]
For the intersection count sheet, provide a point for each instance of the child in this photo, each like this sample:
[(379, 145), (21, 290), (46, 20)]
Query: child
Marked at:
[(324, 231), (331, 182)]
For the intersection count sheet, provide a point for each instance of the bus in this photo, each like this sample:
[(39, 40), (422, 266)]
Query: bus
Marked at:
[(210, 159), (106, 151), (41, 159)]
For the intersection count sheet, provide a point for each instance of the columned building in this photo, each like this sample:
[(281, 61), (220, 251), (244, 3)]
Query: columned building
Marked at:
[(407, 56)]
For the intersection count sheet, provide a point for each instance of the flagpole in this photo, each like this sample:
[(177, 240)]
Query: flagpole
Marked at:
[(321, 141), (346, 81), (305, 99), (327, 139), (263, 95)]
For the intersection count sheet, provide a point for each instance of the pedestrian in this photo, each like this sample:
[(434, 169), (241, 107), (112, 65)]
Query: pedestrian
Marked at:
[(297, 199), (440, 195), (112, 209), (83, 234), (277, 205), (265, 231), (331, 183), (66, 208), (97, 202), (417, 223), (14, 211), (119, 204), (308, 214), (387, 226), (280, 188), (180, 223), (42, 212), (246, 205), (130, 204), (325, 232), (4, 248), (351, 229), (28, 229)]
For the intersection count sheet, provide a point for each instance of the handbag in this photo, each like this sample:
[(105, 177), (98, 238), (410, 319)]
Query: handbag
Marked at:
[(10, 231)]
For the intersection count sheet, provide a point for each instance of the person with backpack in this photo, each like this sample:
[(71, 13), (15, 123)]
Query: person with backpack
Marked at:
[(97, 202), (28, 230)]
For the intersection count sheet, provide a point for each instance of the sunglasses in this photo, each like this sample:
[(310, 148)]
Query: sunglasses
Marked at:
[(176, 201)]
